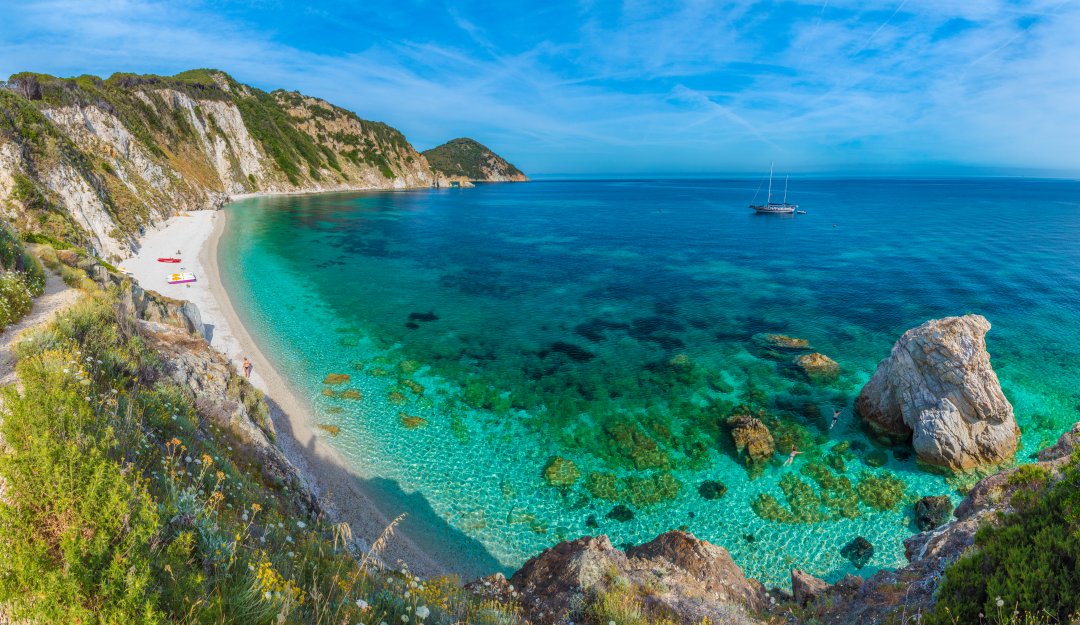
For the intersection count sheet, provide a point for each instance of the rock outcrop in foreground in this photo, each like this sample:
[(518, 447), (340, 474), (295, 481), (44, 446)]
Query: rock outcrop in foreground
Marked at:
[(937, 390), (675, 574), (906, 594)]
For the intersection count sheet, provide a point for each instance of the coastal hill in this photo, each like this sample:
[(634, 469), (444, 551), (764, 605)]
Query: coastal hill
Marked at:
[(469, 160), (97, 161)]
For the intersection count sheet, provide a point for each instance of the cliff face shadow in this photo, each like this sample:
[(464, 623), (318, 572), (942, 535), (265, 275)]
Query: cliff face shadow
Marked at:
[(424, 541), (208, 332), (429, 531)]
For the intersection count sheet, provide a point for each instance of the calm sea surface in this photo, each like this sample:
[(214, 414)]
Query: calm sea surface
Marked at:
[(614, 324)]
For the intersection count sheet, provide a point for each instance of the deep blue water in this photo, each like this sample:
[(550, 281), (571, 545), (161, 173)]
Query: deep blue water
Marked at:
[(613, 323)]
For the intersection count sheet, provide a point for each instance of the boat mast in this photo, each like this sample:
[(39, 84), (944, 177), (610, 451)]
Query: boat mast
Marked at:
[(785, 188), (769, 201)]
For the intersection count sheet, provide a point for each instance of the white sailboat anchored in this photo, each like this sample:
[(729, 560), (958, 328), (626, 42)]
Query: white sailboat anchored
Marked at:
[(775, 207)]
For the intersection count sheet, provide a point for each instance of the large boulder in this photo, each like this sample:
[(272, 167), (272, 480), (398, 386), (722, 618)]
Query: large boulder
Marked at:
[(937, 390), (674, 575)]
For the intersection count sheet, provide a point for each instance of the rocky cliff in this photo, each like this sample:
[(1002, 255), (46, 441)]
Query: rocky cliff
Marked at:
[(937, 390), (96, 161), (467, 160)]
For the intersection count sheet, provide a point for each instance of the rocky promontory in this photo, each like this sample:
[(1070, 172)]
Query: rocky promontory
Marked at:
[(466, 160), (938, 391)]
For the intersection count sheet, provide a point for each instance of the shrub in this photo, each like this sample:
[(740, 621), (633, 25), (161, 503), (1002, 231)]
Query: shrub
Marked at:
[(124, 504), (1026, 561)]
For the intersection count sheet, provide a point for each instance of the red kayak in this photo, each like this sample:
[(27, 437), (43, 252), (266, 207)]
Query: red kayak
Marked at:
[(168, 260)]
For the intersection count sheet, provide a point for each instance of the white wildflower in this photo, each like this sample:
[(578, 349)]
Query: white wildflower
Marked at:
[(360, 603), (267, 595), (404, 619), (301, 524), (999, 602), (422, 612)]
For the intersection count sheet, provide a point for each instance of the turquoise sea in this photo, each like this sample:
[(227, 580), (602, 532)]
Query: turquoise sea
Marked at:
[(615, 324)]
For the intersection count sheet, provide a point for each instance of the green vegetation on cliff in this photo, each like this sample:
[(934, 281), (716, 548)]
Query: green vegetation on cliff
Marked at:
[(94, 161), (21, 278), (465, 158), (1024, 565), (124, 501)]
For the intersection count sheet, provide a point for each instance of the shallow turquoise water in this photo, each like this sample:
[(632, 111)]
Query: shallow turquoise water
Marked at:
[(542, 319)]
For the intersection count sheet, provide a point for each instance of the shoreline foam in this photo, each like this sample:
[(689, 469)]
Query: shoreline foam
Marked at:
[(341, 492)]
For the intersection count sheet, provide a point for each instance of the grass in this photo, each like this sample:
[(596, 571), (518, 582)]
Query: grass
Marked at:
[(1023, 568), (123, 504)]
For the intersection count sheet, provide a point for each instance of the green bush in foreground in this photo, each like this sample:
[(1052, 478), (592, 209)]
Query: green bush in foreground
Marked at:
[(1024, 567), (123, 504)]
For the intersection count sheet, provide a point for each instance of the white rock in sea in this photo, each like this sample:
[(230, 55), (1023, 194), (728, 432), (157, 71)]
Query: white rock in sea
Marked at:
[(937, 390)]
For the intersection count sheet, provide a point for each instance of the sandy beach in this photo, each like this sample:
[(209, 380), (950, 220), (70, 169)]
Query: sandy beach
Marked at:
[(194, 238)]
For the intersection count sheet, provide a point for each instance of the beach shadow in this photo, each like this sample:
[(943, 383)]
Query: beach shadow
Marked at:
[(208, 332), (432, 547)]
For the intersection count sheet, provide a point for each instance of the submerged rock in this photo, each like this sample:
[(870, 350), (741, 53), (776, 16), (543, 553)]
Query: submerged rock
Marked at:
[(782, 341), (859, 551), (561, 472), (937, 390), (932, 512), (621, 513), (752, 437), (876, 458), (334, 379), (419, 316), (411, 422), (711, 489), (575, 353), (333, 430), (818, 367)]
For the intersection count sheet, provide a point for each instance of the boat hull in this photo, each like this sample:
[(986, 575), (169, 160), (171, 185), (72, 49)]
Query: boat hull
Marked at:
[(779, 209)]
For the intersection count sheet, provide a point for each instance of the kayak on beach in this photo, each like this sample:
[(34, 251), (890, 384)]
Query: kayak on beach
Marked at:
[(168, 260), (181, 278)]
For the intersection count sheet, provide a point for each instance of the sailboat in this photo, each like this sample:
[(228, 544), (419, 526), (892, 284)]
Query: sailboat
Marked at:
[(775, 207)]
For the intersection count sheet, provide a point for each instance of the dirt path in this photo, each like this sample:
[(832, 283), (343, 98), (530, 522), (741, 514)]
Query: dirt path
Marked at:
[(57, 297)]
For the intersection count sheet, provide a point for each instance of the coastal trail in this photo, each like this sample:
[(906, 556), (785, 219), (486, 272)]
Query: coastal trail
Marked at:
[(58, 296)]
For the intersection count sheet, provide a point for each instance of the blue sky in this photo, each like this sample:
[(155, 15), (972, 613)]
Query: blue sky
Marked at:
[(636, 87)]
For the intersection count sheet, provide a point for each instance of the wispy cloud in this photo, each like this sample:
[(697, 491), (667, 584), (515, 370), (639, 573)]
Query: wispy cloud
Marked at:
[(640, 85)]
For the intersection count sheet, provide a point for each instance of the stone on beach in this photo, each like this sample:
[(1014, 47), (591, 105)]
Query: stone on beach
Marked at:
[(938, 390)]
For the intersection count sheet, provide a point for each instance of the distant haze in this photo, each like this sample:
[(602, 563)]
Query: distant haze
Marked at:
[(586, 88)]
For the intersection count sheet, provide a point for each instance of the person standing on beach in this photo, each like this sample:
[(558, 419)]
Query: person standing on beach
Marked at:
[(247, 368)]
